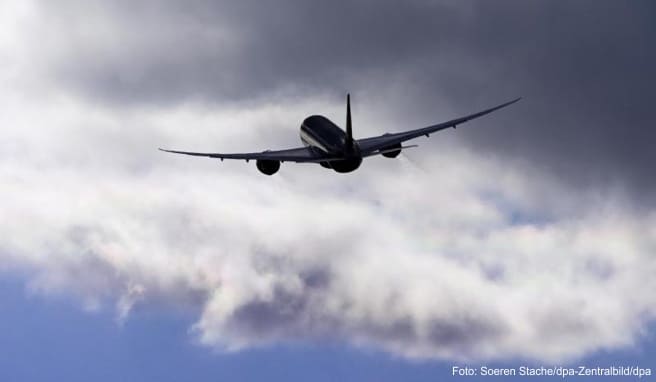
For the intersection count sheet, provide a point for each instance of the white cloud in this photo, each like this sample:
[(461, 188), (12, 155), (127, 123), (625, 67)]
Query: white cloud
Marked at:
[(450, 257)]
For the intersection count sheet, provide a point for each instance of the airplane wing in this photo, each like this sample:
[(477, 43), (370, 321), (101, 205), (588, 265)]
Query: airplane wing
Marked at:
[(301, 154), (380, 144)]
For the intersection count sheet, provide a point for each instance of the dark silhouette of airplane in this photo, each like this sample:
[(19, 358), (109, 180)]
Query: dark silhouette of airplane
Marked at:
[(333, 148)]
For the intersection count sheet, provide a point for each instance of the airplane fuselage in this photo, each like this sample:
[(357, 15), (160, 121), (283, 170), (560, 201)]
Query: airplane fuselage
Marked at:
[(319, 133)]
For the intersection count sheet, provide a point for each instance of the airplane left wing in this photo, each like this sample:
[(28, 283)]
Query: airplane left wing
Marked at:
[(301, 154), (380, 144)]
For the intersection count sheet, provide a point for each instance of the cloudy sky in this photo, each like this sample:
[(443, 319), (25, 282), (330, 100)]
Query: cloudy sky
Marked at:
[(526, 236)]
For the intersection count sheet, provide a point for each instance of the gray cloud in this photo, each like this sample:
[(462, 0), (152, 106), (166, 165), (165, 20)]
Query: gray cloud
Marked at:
[(465, 249), (584, 69)]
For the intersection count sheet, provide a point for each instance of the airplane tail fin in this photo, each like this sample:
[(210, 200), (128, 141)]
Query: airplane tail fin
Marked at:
[(349, 126)]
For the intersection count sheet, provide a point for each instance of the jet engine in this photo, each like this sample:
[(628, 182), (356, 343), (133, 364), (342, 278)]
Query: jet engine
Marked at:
[(267, 166), (393, 153)]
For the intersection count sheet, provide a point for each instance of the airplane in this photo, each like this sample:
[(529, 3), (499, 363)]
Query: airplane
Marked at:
[(333, 148)]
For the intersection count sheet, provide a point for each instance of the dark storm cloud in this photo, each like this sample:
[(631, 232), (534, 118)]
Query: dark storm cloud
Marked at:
[(239, 49), (584, 68)]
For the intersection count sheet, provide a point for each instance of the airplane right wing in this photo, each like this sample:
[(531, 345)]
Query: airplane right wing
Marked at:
[(382, 143)]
